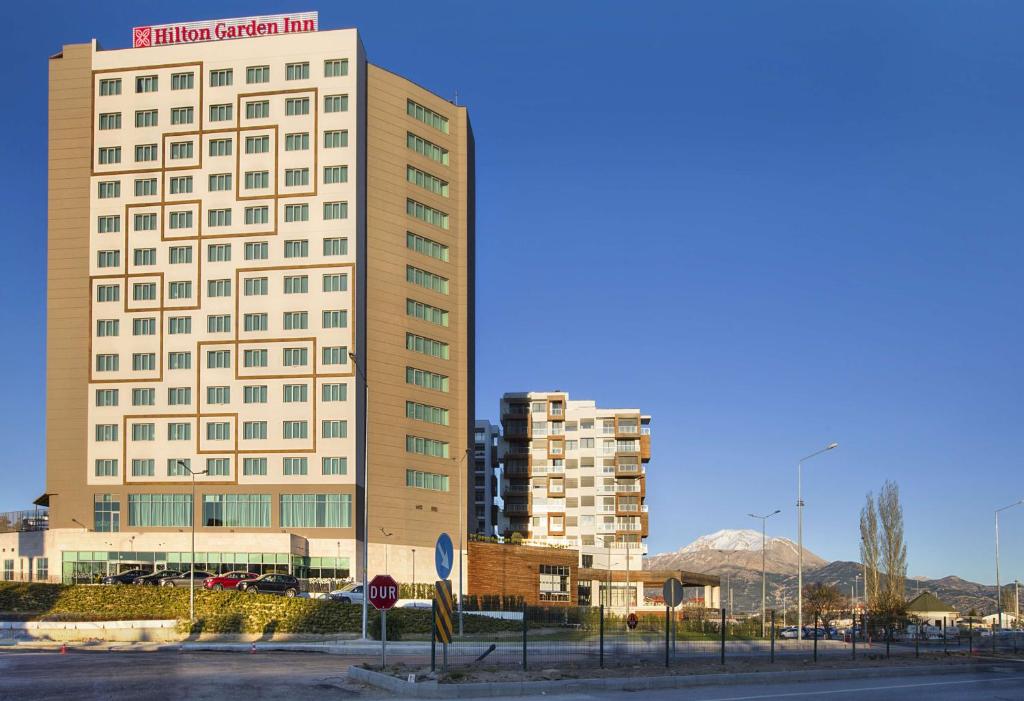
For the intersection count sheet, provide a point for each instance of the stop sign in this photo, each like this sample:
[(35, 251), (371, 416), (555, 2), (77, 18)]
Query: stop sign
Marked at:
[(383, 592)]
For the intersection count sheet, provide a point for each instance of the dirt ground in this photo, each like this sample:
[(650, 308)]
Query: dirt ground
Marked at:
[(486, 674)]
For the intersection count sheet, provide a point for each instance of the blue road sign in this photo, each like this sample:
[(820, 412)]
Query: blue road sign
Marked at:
[(444, 556)]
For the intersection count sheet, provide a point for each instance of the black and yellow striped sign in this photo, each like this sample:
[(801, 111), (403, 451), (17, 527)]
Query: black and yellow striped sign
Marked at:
[(443, 610)]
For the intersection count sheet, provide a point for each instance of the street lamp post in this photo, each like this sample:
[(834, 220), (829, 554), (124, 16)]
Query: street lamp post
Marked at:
[(386, 535), (999, 591), (800, 538), (465, 501), (366, 484), (764, 520), (192, 569)]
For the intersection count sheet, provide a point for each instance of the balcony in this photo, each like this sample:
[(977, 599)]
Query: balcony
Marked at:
[(631, 469), (517, 508), (517, 490)]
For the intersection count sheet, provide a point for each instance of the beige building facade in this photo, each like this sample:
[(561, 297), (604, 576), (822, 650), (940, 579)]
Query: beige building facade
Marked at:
[(244, 236)]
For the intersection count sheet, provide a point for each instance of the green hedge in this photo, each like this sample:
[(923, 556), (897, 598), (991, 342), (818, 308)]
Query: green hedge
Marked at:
[(216, 611)]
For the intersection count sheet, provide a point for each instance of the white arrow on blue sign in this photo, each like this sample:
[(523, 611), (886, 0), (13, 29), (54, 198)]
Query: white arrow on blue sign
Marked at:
[(444, 556)]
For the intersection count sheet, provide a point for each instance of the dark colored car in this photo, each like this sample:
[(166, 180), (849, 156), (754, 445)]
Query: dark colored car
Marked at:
[(154, 579), (271, 584), (126, 577), (183, 579), (228, 580)]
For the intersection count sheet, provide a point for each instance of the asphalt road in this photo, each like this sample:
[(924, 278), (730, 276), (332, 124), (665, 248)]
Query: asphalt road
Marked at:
[(155, 676)]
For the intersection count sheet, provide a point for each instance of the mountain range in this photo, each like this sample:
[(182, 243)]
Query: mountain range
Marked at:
[(735, 555)]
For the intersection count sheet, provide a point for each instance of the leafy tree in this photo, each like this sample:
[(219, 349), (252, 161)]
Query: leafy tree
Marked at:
[(824, 601)]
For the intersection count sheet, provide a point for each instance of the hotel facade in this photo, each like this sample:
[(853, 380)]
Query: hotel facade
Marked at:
[(260, 272)]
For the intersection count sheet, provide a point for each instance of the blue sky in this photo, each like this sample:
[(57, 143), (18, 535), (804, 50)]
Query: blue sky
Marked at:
[(769, 225)]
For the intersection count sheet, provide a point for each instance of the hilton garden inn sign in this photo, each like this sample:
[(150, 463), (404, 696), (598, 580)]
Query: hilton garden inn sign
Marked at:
[(218, 29)]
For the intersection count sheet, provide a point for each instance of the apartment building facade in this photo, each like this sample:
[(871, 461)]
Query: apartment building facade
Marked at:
[(246, 235), (575, 475), (482, 507)]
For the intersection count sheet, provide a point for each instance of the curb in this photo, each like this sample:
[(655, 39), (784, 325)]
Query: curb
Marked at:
[(433, 690)]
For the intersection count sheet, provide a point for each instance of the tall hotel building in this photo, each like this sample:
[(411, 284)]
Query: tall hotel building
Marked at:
[(243, 233), (575, 475)]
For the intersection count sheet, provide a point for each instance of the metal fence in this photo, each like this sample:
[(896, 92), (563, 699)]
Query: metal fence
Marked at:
[(540, 637)]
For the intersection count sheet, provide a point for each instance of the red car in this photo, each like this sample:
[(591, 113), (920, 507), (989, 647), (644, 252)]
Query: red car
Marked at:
[(228, 580)]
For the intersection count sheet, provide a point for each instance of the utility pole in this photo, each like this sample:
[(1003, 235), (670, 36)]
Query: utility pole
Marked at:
[(366, 485), (764, 519), (800, 538)]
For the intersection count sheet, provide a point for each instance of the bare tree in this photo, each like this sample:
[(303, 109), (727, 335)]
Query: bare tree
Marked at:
[(893, 549), (870, 551), (824, 601)]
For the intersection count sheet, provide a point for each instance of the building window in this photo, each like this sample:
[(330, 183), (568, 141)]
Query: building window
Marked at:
[(296, 176), (254, 430), (316, 510), (143, 396), (426, 148), (296, 466), (434, 217), (181, 185), (426, 379), (296, 393), (218, 359), (255, 322), (107, 327), (146, 152), (110, 224), (144, 222), (42, 569), (218, 217), (427, 346), (335, 174), (294, 106), (418, 276), (335, 319), (218, 323), (220, 147), (255, 358), (145, 467), (182, 81), (335, 210), (110, 120), (146, 83), (181, 220), (426, 480), (335, 355), (218, 395), (427, 413), (257, 109), (146, 118), (110, 189), (179, 396), (106, 468), (296, 142), (294, 430), (237, 510), (257, 144), (336, 247), (296, 212), (254, 466), (221, 113), (181, 149), (334, 392), (110, 86), (108, 293), (257, 74), (219, 288), (143, 361), (294, 321), (145, 187), (426, 446), (144, 256), (106, 433), (218, 467), (335, 466), (427, 116), (335, 67), (160, 510), (180, 289), (257, 215), (179, 431), (109, 155), (143, 432), (256, 251), (179, 324), (296, 249), (182, 115), (220, 78), (218, 431), (554, 583), (427, 247), (334, 429), (218, 252), (335, 103), (106, 397), (426, 312), (108, 259), (335, 282), (257, 180), (427, 181), (336, 138), (255, 394), (106, 513), (296, 71)]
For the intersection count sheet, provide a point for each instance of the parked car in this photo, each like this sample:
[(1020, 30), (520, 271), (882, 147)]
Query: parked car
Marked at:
[(271, 584), (154, 579), (126, 577), (814, 633), (228, 580), (184, 578), (788, 633), (348, 594)]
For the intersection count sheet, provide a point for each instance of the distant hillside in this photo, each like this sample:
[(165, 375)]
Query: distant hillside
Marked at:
[(735, 555)]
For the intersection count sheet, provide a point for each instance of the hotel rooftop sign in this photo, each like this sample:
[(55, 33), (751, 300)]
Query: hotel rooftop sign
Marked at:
[(218, 29)]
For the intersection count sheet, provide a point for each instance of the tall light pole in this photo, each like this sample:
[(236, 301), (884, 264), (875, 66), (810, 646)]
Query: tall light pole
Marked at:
[(800, 538), (764, 520), (414, 573), (192, 569), (366, 483), (999, 591)]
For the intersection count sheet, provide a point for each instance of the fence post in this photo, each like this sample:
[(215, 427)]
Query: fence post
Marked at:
[(853, 632), (433, 635), (723, 636), (917, 641), (888, 638), (815, 637), (993, 637), (668, 626), (600, 629), (773, 637), (524, 636), (944, 651), (970, 633)]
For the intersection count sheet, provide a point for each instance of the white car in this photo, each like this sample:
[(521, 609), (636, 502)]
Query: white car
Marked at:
[(349, 594), (788, 633)]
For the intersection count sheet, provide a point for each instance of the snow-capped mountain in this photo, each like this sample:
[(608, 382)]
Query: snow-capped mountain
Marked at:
[(728, 549)]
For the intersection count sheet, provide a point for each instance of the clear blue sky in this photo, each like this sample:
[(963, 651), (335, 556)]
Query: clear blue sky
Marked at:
[(768, 224)]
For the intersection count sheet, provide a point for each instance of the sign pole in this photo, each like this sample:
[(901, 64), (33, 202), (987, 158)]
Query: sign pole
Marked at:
[(383, 638)]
